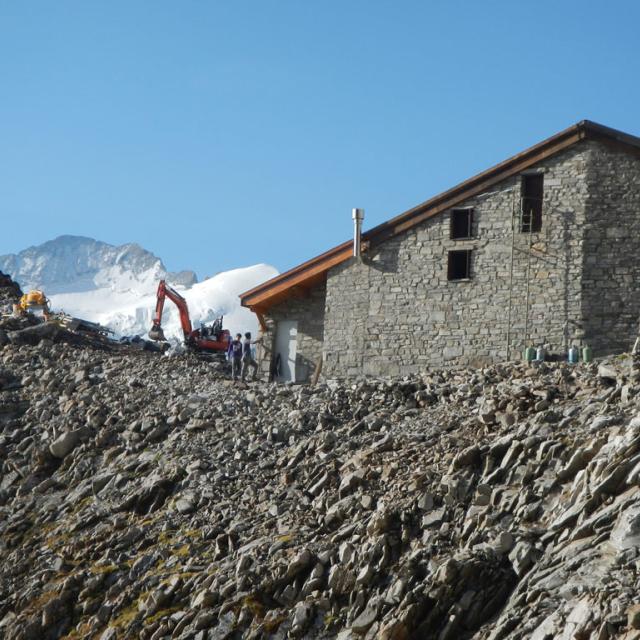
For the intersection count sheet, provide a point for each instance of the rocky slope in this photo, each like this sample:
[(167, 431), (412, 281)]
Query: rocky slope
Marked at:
[(147, 497)]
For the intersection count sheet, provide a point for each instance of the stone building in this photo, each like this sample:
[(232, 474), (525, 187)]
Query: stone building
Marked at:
[(541, 249)]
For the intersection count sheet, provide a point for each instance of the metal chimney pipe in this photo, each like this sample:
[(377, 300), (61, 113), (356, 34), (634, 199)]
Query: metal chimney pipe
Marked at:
[(358, 217)]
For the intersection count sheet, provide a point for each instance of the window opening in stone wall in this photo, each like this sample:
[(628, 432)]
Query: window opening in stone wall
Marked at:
[(532, 193), (461, 224), (459, 265)]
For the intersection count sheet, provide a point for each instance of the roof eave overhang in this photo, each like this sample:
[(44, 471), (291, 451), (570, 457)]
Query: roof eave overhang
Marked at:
[(260, 298)]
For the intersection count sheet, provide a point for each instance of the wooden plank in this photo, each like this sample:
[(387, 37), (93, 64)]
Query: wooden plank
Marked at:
[(317, 372)]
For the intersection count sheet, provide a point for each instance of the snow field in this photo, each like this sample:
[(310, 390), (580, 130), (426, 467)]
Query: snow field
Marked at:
[(126, 304)]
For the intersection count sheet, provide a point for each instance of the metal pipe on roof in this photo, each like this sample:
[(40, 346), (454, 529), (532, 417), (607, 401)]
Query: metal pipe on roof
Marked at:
[(358, 217)]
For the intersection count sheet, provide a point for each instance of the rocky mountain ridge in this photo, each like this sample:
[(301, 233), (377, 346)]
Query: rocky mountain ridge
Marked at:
[(148, 497), (77, 264)]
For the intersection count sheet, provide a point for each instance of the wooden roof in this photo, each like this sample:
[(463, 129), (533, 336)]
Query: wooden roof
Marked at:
[(297, 281)]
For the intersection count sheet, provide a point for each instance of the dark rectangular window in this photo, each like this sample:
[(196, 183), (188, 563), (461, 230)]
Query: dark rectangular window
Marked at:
[(459, 266), (532, 193), (461, 224)]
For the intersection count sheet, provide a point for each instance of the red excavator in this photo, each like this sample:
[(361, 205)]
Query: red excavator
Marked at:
[(213, 338)]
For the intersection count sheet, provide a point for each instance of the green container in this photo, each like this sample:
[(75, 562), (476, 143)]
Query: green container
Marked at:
[(587, 354), (529, 354)]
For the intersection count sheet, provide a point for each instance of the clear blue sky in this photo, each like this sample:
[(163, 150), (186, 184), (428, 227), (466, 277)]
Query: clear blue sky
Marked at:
[(221, 134)]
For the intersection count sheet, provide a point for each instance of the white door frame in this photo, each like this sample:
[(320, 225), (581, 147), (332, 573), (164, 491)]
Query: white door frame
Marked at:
[(286, 347)]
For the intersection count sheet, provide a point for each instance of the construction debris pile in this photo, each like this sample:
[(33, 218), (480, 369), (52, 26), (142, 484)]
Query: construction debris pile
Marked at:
[(20, 326), (146, 497)]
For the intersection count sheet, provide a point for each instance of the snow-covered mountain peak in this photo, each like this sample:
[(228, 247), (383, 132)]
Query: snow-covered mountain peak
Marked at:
[(116, 286), (76, 263)]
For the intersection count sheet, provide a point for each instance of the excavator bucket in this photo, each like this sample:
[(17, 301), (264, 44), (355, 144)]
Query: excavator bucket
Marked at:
[(157, 334)]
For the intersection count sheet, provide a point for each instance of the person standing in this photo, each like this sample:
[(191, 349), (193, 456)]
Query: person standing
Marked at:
[(247, 356), (234, 353)]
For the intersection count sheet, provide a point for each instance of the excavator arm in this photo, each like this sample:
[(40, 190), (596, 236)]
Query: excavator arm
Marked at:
[(214, 340), (165, 291)]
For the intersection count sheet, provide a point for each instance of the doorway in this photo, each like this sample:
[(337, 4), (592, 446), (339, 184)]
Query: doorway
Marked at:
[(285, 351)]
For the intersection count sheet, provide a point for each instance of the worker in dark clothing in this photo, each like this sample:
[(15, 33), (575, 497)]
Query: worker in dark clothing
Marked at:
[(247, 356), (234, 353)]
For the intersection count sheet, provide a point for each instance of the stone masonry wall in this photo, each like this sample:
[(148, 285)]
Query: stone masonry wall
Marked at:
[(611, 279), (309, 312), (395, 311)]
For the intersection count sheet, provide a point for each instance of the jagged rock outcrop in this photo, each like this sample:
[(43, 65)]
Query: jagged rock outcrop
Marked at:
[(148, 497), (10, 291)]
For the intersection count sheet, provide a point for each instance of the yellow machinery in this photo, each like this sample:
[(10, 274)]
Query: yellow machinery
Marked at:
[(33, 301)]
